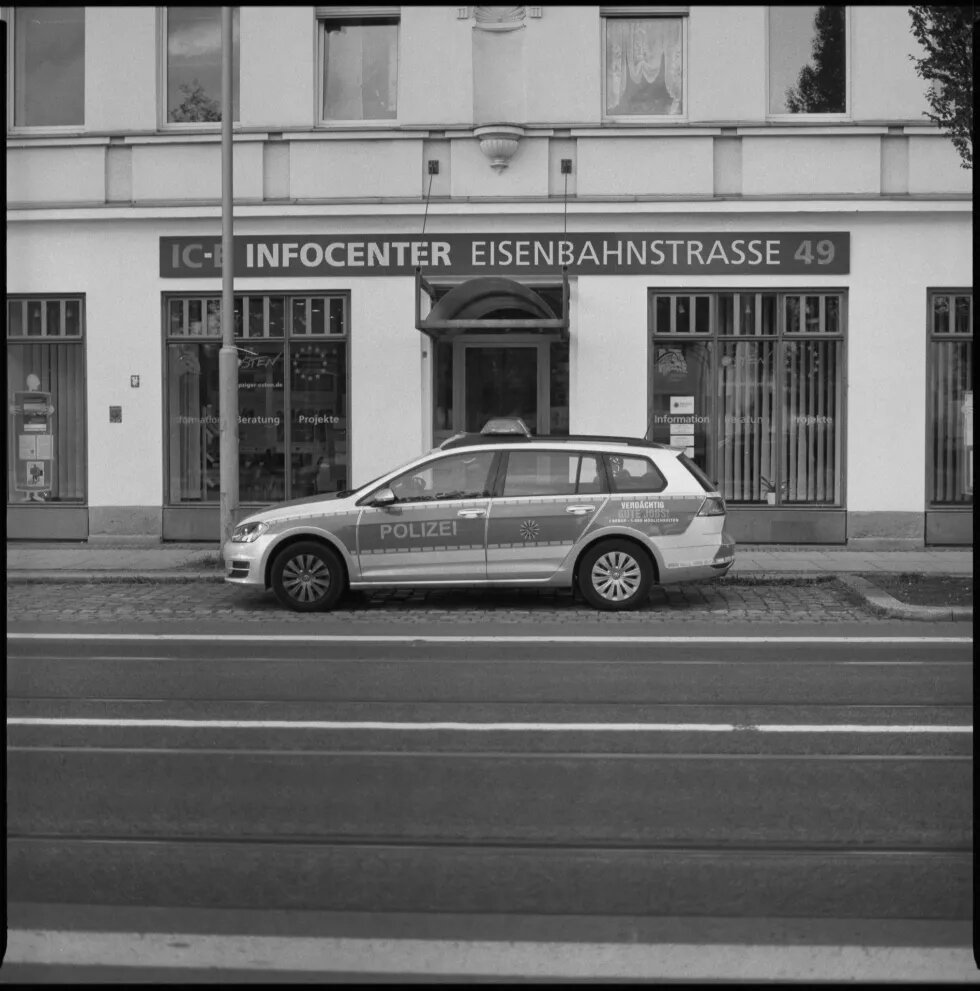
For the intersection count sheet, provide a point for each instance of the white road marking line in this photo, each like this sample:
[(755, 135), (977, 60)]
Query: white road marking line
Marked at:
[(511, 959), (476, 727), (423, 638)]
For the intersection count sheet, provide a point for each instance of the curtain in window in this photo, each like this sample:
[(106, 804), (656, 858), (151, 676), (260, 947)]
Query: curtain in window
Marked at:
[(361, 71), (809, 454), (747, 457), (643, 66), (951, 395), (61, 371)]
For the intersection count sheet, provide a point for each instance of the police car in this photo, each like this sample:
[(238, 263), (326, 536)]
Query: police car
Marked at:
[(609, 516)]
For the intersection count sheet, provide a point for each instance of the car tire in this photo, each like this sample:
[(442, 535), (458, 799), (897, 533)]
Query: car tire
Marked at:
[(615, 574), (308, 576)]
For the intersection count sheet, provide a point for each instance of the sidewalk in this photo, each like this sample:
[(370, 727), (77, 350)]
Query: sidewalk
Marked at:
[(33, 561)]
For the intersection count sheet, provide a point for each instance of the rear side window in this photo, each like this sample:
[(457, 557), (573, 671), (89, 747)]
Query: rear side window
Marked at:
[(703, 479), (633, 474), (534, 473)]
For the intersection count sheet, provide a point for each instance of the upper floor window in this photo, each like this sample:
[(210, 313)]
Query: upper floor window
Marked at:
[(49, 66), (808, 60), (193, 61), (643, 66), (359, 66)]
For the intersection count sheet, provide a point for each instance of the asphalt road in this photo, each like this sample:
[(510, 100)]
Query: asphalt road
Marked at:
[(788, 782)]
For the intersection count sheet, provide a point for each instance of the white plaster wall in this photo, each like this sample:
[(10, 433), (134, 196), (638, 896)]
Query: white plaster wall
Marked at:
[(192, 171), (435, 67), (319, 169), (807, 165), (883, 82), (277, 53), (526, 173), (645, 166), (608, 357), (115, 265), (893, 263), (563, 66), (386, 374), (56, 175), (727, 53), (120, 68), (934, 166)]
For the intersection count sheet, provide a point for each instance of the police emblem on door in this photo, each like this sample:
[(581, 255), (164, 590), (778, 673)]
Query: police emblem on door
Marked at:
[(529, 530)]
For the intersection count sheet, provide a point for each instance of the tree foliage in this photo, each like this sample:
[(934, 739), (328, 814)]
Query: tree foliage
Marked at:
[(196, 105), (820, 85), (946, 35)]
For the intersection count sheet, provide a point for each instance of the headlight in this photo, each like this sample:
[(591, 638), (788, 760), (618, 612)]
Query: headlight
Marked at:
[(245, 533)]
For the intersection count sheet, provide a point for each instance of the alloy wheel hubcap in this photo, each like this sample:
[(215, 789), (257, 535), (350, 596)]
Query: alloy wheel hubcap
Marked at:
[(306, 578), (616, 576)]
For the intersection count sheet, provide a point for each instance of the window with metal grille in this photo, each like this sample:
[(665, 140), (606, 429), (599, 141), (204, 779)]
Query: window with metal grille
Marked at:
[(950, 398)]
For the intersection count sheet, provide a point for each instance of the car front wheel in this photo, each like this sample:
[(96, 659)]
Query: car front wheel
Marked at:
[(615, 574), (307, 576)]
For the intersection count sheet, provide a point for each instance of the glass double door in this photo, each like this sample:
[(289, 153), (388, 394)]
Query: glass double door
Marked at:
[(501, 376)]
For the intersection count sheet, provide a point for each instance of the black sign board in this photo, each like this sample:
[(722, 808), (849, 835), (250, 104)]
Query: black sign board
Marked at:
[(513, 255)]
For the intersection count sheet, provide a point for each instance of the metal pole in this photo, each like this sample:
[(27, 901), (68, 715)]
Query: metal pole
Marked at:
[(228, 355)]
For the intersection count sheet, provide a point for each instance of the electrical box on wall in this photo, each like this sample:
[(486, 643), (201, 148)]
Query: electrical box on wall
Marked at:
[(115, 414)]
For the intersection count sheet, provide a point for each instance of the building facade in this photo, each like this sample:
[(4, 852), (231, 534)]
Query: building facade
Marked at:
[(726, 228)]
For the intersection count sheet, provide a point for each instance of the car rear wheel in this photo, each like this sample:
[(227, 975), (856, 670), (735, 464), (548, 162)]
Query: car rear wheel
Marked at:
[(615, 574), (307, 576)]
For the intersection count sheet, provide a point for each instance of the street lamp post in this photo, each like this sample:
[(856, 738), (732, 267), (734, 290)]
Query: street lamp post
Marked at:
[(228, 355)]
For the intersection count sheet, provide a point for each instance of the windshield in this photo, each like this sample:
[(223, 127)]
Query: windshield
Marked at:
[(374, 481)]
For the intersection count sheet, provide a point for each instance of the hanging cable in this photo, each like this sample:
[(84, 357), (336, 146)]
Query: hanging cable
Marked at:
[(565, 211), (427, 194)]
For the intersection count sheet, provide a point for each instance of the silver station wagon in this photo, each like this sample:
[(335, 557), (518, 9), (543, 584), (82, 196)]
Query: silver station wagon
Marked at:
[(610, 516)]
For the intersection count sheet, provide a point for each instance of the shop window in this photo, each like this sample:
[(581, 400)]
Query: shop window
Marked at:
[(950, 436), (358, 64), (643, 64), (49, 66), (292, 396), (46, 400), (807, 60), (758, 403), (193, 65)]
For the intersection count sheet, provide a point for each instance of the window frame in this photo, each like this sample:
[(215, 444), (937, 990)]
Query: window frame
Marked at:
[(640, 13), (715, 339), (10, 17), (163, 78), (78, 340), (352, 13), (813, 118), (287, 339), (932, 337)]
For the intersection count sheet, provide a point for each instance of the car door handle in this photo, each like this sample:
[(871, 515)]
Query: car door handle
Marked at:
[(471, 514), (579, 510)]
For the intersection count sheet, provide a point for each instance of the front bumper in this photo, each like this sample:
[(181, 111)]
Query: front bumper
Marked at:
[(244, 563)]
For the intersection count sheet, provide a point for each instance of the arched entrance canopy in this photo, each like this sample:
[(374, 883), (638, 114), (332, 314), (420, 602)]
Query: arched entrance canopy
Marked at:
[(466, 307)]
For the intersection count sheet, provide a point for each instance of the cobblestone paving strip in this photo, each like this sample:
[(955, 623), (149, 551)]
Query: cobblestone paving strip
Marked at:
[(822, 600)]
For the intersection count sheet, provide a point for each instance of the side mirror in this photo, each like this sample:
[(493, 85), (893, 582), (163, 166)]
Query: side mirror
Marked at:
[(383, 497)]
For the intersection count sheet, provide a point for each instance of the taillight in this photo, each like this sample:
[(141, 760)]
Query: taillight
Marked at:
[(712, 506)]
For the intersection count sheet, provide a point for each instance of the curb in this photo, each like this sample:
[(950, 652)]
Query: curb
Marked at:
[(138, 577), (887, 605)]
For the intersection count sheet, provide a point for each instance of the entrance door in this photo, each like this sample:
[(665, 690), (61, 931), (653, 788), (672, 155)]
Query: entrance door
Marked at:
[(501, 376)]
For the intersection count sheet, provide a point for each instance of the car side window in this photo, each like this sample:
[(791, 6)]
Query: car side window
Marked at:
[(633, 474), (458, 476), (539, 473)]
